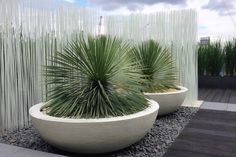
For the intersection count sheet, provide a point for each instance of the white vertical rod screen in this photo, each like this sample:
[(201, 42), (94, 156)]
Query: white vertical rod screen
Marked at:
[(177, 30), (30, 35)]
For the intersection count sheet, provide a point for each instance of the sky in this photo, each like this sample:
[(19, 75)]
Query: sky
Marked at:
[(216, 18)]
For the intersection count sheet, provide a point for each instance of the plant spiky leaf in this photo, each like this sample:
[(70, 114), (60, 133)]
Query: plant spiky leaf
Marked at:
[(230, 57), (157, 66), (92, 78)]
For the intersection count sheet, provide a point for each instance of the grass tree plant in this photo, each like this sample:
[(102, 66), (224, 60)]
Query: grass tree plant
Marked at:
[(157, 66), (202, 59), (230, 57), (215, 58), (94, 77)]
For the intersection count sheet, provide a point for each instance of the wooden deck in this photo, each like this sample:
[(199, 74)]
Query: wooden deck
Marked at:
[(210, 133), (217, 95)]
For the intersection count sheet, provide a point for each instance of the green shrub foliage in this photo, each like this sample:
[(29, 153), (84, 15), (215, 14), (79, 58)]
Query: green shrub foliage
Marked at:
[(210, 59), (94, 77), (214, 58), (230, 57), (158, 67), (201, 60)]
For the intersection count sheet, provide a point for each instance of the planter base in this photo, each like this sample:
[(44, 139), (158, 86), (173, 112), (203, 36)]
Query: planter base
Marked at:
[(169, 101), (94, 135)]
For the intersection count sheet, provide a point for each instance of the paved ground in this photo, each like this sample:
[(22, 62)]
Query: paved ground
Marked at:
[(13, 151), (211, 133), (217, 95), (219, 106)]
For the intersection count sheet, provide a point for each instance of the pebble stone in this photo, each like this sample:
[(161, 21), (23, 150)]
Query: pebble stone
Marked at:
[(154, 144)]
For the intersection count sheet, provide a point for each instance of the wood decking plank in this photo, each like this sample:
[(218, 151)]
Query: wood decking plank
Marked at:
[(217, 95), (208, 94), (201, 93), (232, 99), (187, 153), (209, 134), (226, 96), (216, 116), (209, 148)]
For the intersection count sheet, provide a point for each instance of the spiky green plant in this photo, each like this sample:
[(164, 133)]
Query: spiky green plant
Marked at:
[(214, 58), (94, 78), (157, 66), (230, 57), (201, 59)]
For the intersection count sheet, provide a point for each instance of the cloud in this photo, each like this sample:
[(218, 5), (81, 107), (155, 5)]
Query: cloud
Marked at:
[(222, 7), (70, 1), (132, 4)]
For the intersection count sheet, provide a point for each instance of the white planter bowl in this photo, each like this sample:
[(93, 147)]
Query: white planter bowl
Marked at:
[(169, 101), (94, 135)]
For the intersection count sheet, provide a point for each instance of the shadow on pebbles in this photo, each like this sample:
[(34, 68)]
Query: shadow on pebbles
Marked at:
[(154, 144)]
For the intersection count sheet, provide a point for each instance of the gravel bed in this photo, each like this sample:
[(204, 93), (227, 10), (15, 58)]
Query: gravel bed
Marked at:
[(154, 144)]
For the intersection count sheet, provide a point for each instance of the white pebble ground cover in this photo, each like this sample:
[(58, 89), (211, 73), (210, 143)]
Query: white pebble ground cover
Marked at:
[(154, 144)]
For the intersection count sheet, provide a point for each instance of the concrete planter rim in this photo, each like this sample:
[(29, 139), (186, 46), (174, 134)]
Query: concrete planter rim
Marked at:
[(35, 112), (182, 90)]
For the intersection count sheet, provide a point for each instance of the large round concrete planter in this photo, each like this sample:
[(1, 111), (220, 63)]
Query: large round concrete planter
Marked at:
[(169, 101), (94, 135)]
